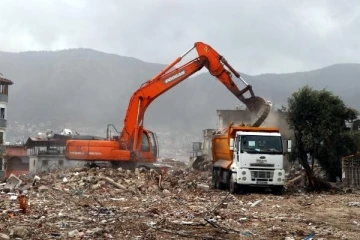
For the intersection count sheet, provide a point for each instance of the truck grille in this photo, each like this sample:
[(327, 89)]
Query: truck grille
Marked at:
[(261, 165), (262, 175)]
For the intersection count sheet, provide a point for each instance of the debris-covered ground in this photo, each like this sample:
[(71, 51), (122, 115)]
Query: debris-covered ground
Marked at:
[(118, 204)]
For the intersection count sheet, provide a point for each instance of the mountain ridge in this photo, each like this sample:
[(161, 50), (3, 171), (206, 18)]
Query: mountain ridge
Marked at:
[(86, 49), (83, 86)]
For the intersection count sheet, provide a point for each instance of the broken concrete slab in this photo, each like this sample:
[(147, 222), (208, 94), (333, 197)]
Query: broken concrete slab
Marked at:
[(12, 183), (178, 204)]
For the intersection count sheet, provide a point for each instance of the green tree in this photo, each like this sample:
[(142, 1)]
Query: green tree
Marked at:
[(318, 119)]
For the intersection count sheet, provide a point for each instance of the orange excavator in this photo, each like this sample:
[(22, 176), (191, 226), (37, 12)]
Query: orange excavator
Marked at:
[(135, 144)]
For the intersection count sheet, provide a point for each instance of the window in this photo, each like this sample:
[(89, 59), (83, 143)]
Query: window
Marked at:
[(153, 144), (45, 163), (2, 113), (261, 144), (4, 89), (145, 146)]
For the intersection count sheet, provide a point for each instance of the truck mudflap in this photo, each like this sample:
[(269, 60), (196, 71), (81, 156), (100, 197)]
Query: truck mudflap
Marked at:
[(260, 178), (222, 164)]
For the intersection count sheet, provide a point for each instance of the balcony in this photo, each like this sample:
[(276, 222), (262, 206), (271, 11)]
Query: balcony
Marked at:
[(3, 123), (3, 97)]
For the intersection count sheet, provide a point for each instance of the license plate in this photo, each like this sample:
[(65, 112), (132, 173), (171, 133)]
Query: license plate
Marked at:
[(261, 182)]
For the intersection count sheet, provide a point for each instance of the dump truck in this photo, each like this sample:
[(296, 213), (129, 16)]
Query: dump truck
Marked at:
[(245, 156)]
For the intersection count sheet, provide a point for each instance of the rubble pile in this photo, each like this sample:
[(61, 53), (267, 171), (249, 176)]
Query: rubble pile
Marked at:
[(296, 179), (202, 163), (100, 203)]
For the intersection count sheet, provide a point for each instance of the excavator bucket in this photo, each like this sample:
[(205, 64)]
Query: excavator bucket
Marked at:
[(259, 109)]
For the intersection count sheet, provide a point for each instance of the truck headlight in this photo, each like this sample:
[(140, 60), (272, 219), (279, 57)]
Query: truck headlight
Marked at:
[(279, 179), (280, 173), (244, 178), (243, 172)]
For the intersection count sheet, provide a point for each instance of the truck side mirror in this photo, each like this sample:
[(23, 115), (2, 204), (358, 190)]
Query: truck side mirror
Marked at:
[(231, 144), (288, 145)]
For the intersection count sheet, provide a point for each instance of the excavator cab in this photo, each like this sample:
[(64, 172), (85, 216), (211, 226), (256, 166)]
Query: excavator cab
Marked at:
[(149, 148)]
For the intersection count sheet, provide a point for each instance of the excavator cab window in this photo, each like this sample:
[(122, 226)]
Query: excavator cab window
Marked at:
[(145, 146), (154, 145)]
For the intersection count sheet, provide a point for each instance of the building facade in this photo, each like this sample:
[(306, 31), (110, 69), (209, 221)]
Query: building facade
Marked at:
[(4, 97), (17, 160), (47, 153)]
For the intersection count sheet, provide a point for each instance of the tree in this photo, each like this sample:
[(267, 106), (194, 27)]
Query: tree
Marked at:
[(318, 119)]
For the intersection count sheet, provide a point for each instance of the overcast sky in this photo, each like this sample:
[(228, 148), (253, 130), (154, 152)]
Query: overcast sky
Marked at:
[(256, 36)]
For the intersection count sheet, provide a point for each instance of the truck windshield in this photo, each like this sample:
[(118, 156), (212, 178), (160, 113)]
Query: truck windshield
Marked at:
[(261, 144)]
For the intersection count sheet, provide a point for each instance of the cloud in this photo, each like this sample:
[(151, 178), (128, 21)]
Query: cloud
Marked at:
[(255, 36)]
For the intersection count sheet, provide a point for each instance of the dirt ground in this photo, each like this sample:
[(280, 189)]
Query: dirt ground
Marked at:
[(117, 204)]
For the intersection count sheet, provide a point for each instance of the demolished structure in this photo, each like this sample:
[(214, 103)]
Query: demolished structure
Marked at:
[(38, 154), (99, 203), (200, 158)]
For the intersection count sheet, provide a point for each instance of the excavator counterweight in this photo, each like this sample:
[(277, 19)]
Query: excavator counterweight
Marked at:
[(135, 144)]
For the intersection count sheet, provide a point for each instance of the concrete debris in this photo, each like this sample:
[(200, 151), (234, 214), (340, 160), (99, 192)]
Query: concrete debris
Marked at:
[(201, 163), (12, 183), (100, 203), (354, 204), (3, 236), (256, 203)]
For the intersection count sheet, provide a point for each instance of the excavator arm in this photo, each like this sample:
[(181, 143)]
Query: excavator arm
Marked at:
[(166, 79)]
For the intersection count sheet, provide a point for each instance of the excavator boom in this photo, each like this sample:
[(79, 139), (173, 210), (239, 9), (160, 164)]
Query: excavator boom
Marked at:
[(166, 80), (138, 144)]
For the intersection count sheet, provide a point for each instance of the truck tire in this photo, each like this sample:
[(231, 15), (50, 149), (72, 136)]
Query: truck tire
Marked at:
[(214, 180), (217, 176), (232, 185), (278, 190), (221, 185)]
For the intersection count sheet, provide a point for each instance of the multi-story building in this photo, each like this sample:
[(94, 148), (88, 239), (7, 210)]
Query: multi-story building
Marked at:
[(48, 152), (4, 96), (17, 160)]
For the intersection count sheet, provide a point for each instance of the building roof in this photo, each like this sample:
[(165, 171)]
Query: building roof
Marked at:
[(4, 80), (43, 142)]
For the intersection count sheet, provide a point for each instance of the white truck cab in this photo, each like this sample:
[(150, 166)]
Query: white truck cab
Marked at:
[(258, 160)]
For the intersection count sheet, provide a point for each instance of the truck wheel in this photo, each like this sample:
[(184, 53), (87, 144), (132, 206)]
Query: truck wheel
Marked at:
[(232, 185), (214, 179), (217, 174), (221, 185), (278, 190)]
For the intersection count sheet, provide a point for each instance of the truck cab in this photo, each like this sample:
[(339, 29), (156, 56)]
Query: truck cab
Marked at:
[(258, 159)]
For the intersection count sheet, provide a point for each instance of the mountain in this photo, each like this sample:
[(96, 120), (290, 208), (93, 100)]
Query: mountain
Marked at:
[(84, 87)]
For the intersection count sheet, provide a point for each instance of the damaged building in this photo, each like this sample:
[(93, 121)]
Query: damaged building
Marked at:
[(46, 153), (201, 151), (37, 154), (4, 97), (17, 160)]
